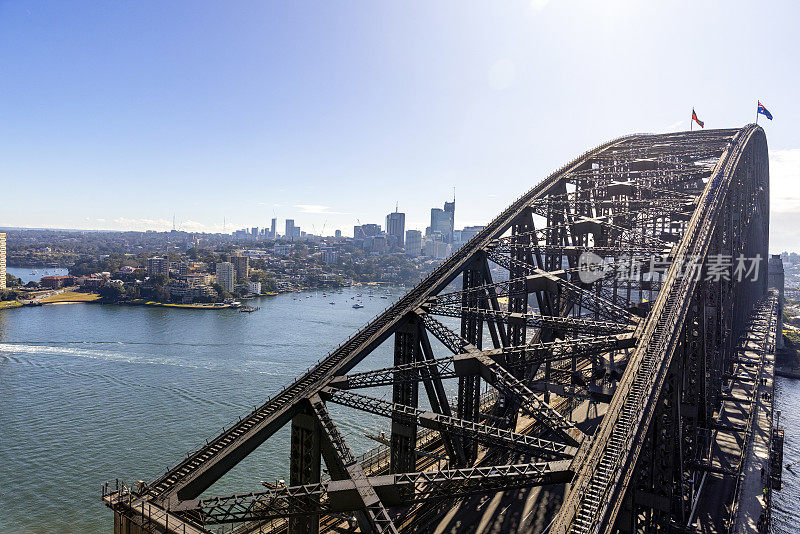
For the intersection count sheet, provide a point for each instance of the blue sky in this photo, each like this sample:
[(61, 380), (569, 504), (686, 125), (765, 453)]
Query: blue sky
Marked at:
[(121, 115)]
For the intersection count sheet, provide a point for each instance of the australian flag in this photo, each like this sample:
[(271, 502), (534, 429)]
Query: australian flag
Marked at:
[(764, 111)]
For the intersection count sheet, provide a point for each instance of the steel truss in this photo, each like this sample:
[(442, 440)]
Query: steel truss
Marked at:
[(653, 346), (335, 496)]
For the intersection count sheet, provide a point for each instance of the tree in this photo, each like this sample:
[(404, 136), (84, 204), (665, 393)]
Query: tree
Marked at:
[(111, 293), (158, 280), (132, 291), (8, 294), (161, 295), (12, 281), (138, 274), (222, 293)]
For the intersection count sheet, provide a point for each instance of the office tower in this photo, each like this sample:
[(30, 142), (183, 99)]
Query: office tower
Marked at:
[(226, 275), (254, 231), (273, 229), (366, 230), (469, 232), (337, 234), (443, 221), (413, 242), (378, 244), (438, 250), (2, 261), (242, 266), (289, 234), (440, 224), (450, 210), (396, 226)]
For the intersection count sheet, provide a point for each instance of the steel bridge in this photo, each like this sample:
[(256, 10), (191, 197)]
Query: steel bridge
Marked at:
[(595, 311)]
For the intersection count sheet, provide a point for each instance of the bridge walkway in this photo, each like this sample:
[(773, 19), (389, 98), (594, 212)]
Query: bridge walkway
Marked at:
[(733, 497)]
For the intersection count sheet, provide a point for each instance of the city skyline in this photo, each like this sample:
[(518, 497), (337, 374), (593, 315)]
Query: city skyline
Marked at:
[(271, 228), (125, 116)]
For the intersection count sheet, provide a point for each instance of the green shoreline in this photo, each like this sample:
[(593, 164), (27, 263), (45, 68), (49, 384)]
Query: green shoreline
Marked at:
[(10, 304)]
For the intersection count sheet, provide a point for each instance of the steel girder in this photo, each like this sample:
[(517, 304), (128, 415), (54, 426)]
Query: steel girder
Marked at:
[(532, 354), (305, 459), (535, 320), (456, 426), (335, 496), (372, 515), (534, 282)]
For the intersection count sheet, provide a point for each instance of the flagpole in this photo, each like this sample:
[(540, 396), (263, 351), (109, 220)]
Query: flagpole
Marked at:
[(757, 114), (691, 121)]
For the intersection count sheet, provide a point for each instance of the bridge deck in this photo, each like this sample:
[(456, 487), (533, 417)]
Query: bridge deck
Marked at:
[(152, 518)]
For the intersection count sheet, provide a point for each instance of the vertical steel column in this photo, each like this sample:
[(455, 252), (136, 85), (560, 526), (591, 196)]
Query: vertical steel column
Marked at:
[(694, 438), (518, 299), (405, 390), (304, 466), (469, 387), (437, 396)]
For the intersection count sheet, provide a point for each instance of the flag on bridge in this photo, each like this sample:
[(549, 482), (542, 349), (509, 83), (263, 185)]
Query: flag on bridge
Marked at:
[(764, 111), (695, 119)]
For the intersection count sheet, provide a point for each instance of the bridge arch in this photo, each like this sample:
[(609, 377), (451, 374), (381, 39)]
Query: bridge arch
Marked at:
[(590, 308)]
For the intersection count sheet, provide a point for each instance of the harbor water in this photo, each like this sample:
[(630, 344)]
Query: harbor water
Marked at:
[(89, 393)]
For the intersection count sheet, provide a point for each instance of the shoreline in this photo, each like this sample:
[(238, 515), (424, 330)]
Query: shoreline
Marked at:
[(75, 297)]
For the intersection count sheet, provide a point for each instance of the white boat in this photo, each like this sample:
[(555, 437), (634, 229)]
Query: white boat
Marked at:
[(357, 305)]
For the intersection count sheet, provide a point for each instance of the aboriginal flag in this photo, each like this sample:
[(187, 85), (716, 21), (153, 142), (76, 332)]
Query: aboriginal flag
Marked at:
[(695, 119)]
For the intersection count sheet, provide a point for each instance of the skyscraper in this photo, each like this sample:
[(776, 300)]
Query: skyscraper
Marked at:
[(242, 266), (442, 222), (226, 275), (469, 232), (273, 228), (2, 261), (450, 211), (396, 226), (366, 230), (413, 242), (289, 229)]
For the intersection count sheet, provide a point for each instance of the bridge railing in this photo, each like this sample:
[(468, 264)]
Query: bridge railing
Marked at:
[(160, 519)]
